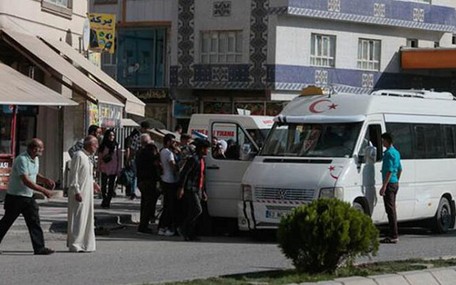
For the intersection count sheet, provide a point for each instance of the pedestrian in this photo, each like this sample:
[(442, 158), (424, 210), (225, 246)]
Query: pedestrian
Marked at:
[(167, 223), (19, 196), (178, 129), (93, 130), (109, 166), (81, 225), (147, 165), (391, 173), (132, 145), (192, 189)]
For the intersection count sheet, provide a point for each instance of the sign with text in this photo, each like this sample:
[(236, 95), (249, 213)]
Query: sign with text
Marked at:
[(6, 164), (102, 32)]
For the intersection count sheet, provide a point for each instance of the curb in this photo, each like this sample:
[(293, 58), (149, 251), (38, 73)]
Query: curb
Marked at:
[(435, 276)]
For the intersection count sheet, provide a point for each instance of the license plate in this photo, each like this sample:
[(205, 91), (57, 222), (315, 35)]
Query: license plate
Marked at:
[(275, 214)]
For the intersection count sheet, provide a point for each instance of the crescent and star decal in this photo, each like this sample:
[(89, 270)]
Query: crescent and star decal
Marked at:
[(313, 107), (331, 171)]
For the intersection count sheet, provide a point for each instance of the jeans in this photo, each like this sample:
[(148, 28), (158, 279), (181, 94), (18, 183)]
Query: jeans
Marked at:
[(168, 218), (27, 206), (389, 199), (130, 189), (149, 197), (107, 181), (194, 210)]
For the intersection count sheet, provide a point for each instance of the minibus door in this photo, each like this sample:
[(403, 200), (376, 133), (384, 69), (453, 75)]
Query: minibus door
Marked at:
[(225, 168)]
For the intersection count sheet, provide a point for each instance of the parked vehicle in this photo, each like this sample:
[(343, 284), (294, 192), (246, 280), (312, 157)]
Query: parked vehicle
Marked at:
[(244, 136), (330, 146)]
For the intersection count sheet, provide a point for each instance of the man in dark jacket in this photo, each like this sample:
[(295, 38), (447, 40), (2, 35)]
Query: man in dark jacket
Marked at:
[(191, 186), (148, 174)]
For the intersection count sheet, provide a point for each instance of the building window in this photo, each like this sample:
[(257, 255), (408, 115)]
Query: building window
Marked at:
[(412, 43), (59, 7), (221, 47), (109, 64), (323, 50), (369, 54)]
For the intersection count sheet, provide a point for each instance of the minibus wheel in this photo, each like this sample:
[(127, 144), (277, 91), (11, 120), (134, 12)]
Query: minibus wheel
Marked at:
[(443, 216), (358, 206)]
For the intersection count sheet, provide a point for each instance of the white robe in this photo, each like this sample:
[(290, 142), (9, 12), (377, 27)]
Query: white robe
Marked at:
[(81, 228)]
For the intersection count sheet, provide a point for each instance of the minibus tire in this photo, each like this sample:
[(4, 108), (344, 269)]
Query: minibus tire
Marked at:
[(358, 206), (443, 217)]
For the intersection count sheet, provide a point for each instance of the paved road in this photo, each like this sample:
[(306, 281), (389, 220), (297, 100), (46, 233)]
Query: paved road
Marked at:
[(124, 257)]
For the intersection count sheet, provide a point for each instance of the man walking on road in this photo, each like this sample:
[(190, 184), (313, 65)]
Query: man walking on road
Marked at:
[(148, 173), (192, 188), (81, 228), (19, 196), (391, 173)]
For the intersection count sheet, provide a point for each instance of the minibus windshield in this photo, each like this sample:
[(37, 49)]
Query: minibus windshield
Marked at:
[(312, 140)]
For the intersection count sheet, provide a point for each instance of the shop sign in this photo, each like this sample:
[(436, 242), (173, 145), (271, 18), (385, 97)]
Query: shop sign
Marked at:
[(183, 110), (102, 32), (152, 94), (5, 171), (109, 116)]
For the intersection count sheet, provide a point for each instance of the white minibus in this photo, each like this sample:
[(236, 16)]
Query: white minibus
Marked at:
[(330, 146)]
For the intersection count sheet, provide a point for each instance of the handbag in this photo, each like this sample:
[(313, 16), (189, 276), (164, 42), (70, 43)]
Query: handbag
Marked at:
[(126, 177), (107, 157)]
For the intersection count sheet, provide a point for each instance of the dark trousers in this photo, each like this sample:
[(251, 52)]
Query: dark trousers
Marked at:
[(107, 188), (194, 210), (389, 199), (168, 218), (16, 205), (149, 197)]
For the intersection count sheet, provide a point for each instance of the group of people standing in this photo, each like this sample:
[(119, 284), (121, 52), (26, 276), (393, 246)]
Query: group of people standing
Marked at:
[(178, 173)]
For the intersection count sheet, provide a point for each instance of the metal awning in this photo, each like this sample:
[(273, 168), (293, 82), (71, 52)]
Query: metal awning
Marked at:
[(28, 44), (428, 58), (132, 104), (18, 89), (126, 122)]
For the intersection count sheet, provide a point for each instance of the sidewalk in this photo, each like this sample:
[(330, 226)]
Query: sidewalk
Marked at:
[(53, 214)]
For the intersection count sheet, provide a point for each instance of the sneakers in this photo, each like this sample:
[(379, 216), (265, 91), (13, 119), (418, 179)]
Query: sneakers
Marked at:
[(165, 232), (44, 251), (169, 233), (162, 231)]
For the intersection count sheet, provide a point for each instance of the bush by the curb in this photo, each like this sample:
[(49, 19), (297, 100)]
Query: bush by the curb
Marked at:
[(321, 236)]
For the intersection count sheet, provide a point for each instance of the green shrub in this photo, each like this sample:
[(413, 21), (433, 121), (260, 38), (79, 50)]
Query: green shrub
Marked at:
[(325, 234)]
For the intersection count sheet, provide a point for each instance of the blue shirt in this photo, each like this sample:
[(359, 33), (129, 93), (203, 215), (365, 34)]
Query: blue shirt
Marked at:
[(23, 165), (391, 163)]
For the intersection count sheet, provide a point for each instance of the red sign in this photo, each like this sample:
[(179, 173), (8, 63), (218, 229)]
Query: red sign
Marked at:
[(5, 170)]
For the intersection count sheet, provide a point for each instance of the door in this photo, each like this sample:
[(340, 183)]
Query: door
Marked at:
[(231, 153)]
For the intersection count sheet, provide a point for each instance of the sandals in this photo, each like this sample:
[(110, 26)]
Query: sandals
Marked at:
[(389, 240)]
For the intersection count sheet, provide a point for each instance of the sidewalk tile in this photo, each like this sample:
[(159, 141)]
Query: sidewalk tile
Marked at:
[(388, 279), (356, 281), (419, 278), (444, 276)]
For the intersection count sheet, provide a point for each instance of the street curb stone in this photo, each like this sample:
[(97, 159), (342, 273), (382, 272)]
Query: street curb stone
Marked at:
[(419, 278)]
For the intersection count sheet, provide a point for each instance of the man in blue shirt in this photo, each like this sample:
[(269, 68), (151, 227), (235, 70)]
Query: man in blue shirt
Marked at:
[(391, 173), (19, 196)]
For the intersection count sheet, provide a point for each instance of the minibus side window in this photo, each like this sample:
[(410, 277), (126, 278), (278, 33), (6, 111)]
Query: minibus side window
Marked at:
[(373, 137), (232, 143), (403, 139), (428, 140), (449, 141)]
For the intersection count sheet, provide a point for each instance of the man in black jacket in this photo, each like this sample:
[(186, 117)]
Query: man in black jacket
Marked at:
[(148, 174), (191, 184)]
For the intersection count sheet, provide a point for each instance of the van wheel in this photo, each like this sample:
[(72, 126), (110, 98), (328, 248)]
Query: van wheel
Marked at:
[(443, 217), (359, 207)]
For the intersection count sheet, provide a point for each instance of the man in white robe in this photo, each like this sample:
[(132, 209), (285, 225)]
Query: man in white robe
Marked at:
[(81, 227)]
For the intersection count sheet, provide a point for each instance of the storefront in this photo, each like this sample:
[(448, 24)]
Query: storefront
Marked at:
[(18, 111)]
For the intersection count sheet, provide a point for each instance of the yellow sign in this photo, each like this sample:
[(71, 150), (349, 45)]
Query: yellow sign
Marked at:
[(102, 32)]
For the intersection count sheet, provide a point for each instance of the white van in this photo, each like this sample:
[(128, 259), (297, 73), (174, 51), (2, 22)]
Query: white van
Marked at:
[(223, 176), (330, 146)]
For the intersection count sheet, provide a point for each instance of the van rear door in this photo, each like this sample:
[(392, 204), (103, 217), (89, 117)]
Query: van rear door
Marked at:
[(226, 167)]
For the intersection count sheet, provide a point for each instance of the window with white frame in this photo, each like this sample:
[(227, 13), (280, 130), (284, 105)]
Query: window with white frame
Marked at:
[(221, 47), (369, 52), (63, 3), (323, 50)]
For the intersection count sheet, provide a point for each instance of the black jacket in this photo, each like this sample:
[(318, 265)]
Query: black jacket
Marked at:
[(148, 163), (189, 177)]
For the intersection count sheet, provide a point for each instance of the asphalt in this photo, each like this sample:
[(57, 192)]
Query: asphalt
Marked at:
[(53, 214)]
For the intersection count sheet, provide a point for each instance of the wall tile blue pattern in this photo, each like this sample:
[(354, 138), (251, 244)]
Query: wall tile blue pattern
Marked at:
[(185, 42), (258, 43), (397, 13)]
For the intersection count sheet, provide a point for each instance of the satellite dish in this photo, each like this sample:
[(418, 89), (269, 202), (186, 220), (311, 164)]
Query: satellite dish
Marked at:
[(86, 34)]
